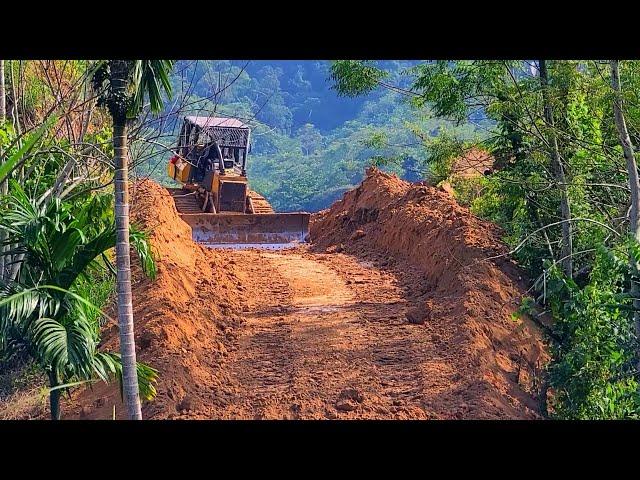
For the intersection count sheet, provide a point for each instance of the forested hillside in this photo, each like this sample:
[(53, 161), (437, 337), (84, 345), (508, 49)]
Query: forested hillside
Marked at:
[(309, 145)]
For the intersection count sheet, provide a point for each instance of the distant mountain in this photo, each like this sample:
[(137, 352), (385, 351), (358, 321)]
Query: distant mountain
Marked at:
[(308, 144)]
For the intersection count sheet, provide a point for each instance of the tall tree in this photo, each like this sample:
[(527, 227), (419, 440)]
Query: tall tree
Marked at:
[(118, 109), (3, 97), (310, 138), (3, 183), (124, 84), (559, 173), (634, 181)]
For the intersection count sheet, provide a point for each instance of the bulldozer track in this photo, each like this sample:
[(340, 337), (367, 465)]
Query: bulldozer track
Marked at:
[(260, 204), (186, 202)]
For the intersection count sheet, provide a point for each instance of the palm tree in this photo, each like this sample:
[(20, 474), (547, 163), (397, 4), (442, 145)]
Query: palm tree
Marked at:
[(9, 162), (123, 85), (43, 313)]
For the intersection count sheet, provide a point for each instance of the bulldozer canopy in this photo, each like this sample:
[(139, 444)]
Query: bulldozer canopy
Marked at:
[(226, 131), (210, 122)]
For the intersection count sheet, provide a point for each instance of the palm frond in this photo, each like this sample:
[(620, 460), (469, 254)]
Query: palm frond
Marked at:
[(18, 305), (84, 255), (140, 242), (147, 378), (63, 247), (68, 344), (7, 166), (21, 210), (94, 215), (50, 339), (109, 364), (149, 79)]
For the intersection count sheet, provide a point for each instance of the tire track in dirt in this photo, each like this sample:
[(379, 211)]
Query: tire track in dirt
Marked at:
[(260, 369), (395, 351), (326, 342)]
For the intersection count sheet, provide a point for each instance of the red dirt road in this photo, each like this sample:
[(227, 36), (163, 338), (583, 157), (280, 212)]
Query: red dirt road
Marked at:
[(406, 322), (324, 343), (324, 336), (329, 339)]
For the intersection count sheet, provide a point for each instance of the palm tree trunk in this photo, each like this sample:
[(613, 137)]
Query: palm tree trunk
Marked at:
[(4, 189), (565, 209), (123, 267), (119, 77), (3, 185), (14, 105), (54, 396), (634, 184), (16, 259)]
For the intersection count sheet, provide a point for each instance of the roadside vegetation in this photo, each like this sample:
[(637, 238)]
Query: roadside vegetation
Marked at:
[(59, 228)]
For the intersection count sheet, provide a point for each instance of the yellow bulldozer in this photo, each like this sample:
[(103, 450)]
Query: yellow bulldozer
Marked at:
[(215, 199)]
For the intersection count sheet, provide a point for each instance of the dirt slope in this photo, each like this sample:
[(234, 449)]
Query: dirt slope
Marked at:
[(314, 333), (468, 299), (184, 320)]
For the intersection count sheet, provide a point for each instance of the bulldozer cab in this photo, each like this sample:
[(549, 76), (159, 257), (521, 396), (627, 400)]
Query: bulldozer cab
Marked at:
[(210, 144)]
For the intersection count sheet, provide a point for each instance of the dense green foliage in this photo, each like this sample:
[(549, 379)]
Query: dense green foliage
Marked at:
[(56, 234), (45, 312), (594, 367)]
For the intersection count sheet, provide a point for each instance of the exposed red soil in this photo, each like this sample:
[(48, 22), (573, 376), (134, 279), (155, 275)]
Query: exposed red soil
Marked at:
[(464, 297), (184, 320), (392, 313)]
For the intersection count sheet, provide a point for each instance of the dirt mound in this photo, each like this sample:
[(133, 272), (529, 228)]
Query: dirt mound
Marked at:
[(466, 299), (184, 320)]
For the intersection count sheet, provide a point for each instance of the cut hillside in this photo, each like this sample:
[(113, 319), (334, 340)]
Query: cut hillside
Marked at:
[(184, 320), (465, 298)]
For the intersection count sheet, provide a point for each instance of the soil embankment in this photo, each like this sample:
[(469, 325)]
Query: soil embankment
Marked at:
[(393, 312), (185, 320), (463, 297)]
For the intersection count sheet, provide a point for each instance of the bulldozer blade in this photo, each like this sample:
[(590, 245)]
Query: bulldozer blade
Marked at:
[(268, 230)]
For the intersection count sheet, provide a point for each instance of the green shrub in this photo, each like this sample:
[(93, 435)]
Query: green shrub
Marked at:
[(593, 369)]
